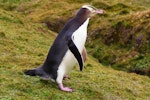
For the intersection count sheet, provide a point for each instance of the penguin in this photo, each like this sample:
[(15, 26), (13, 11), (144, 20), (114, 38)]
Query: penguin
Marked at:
[(67, 49)]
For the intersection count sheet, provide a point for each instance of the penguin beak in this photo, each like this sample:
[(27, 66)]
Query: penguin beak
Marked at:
[(93, 10), (99, 11)]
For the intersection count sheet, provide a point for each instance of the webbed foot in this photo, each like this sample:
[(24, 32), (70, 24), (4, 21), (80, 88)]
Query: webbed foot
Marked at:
[(67, 89)]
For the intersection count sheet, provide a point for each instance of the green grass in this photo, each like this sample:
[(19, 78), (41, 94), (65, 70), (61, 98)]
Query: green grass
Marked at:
[(25, 41)]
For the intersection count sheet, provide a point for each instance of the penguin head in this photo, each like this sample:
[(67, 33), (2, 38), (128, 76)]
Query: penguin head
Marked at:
[(92, 10)]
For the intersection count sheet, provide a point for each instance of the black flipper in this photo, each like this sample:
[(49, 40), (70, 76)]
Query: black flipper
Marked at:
[(76, 53)]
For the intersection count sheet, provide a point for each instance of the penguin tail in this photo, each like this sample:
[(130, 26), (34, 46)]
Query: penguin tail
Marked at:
[(30, 72)]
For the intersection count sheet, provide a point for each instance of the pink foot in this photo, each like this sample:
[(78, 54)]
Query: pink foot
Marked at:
[(67, 89)]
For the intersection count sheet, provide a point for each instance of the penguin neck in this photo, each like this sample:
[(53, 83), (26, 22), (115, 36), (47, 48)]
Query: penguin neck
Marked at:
[(82, 20), (86, 22)]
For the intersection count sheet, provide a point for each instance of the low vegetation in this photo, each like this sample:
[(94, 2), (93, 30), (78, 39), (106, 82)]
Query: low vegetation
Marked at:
[(118, 39)]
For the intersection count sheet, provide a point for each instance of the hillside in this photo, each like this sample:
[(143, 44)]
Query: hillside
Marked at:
[(120, 38), (28, 28)]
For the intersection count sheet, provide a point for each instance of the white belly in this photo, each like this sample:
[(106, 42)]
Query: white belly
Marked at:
[(79, 38)]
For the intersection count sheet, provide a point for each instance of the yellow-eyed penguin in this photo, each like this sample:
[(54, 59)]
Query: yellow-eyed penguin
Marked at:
[(67, 49)]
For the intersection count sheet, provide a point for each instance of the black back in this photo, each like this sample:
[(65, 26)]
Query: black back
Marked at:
[(60, 45)]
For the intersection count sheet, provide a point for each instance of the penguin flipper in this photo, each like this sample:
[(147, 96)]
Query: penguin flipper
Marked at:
[(76, 53)]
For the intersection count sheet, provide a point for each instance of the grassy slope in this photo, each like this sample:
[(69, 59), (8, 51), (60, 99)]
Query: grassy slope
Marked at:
[(113, 35), (24, 45)]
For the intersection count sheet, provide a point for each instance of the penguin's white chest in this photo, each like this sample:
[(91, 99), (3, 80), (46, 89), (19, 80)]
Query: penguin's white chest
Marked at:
[(79, 38)]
